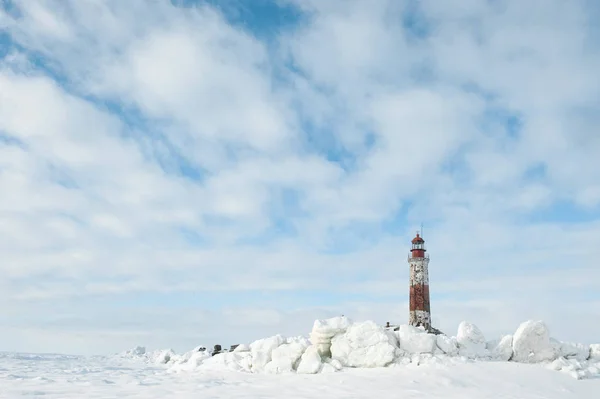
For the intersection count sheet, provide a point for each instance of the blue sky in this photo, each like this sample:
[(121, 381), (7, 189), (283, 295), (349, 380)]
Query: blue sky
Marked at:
[(220, 171)]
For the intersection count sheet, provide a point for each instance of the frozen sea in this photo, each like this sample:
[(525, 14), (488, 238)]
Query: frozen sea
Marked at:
[(62, 376)]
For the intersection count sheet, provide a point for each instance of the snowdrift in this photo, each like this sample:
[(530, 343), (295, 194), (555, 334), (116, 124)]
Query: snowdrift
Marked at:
[(338, 343)]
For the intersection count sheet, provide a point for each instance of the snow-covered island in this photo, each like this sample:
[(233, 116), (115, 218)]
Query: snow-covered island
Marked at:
[(338, 343)]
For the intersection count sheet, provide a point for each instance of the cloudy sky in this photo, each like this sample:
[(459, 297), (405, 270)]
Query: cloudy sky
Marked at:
[(176, 173)]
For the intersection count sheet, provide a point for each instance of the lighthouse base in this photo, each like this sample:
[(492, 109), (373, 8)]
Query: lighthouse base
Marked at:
[(420, 318)]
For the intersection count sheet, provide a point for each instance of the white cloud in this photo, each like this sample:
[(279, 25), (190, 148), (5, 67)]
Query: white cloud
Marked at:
[(103, 104)]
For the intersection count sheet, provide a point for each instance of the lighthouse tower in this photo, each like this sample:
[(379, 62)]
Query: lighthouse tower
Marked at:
[(420, 312)]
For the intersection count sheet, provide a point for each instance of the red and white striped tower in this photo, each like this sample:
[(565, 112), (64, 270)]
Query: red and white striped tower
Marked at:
[(420, 311)]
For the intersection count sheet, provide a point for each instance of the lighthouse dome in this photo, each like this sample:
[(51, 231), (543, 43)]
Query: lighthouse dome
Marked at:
[(417, 239)]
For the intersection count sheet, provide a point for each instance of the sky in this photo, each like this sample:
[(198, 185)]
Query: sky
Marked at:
[(182, 173)]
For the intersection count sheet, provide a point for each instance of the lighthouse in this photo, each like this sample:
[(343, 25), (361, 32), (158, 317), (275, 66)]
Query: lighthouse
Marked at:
[(418, 259)]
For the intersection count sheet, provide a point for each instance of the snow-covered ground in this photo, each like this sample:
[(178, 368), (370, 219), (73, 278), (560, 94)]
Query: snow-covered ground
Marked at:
[(67, 377), (338, 359)]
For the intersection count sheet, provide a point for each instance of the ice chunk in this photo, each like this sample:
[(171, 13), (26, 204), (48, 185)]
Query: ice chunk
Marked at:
[(184, 358), (531, 343), (299, 339), (324, 330), (400, 362), (364, 345), (335, 364), (285, 358), (310, 362), (261, 351), (575, 368), (194, 361), (267, 344), (471, 342), (447, 345), (332, 326), (594, 352), (197, 358), (137, 351), (501, 349), (163, 356), (571, 350), (242, 348), (279, 366), (415, 340)]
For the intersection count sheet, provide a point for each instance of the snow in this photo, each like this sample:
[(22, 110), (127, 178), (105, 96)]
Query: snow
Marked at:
[(68, 377), (341, 357)]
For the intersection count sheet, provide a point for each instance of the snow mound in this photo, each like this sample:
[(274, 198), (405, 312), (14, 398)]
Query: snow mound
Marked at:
[(364, 345), (532, 344), (471, 342), (338, 343)]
